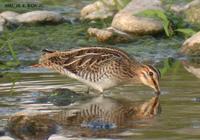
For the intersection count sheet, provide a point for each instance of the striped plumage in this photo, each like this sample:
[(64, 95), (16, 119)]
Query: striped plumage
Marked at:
[(100, 68)]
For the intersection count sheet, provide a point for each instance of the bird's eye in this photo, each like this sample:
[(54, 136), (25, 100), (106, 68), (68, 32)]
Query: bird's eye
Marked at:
[(151, 73)]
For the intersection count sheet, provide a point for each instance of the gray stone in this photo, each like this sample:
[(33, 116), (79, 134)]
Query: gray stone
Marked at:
[(109, 34), (127, 25), (6, 138), (40, 17), (190, 10), (10, 16), (57, 137), (181, 7), (99, 10), (126, 21)]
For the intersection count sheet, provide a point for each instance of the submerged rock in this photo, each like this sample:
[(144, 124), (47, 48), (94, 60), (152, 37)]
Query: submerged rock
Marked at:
[(63, 97), (99, 10), (127, 22), (40, 17), (192, 46), (31, 125)]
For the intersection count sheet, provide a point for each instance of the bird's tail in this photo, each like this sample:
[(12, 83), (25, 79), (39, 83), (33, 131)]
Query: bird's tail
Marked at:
[(36, 65), (47, 51)]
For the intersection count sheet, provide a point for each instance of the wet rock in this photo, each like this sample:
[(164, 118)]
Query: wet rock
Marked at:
[(57, 137), (109, 34), (193, 14), (10, 17), (40, 17), (184, 6), (63, 97), (6, 138), (193, 67), (126, 23), (192, 46), (99, 10), (1, 29), (2, 23), (28, 125)]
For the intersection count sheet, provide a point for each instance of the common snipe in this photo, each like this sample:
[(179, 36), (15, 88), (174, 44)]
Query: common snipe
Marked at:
[(101, 68)]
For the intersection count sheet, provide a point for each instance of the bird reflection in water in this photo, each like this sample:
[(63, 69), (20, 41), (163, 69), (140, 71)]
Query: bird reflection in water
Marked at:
[(99, 117)]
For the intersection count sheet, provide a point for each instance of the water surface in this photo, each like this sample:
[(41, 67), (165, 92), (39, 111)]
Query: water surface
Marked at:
[(180, 100)]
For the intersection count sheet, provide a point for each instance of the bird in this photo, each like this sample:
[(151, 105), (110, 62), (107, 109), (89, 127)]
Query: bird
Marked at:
[(101, 67)]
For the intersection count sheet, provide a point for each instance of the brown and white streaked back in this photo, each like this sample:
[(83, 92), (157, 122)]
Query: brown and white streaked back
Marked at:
[(98, 67)]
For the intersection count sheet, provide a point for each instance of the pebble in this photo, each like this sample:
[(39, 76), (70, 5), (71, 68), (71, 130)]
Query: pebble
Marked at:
[(57, 137), (6, 138)]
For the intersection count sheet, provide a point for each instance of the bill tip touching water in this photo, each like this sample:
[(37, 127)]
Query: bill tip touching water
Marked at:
[(101, 67)]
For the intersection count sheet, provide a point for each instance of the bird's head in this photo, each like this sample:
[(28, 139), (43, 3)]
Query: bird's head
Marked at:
[(150, 76)]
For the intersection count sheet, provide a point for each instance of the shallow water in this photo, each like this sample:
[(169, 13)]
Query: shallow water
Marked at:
[(180, 101), (20, 88)]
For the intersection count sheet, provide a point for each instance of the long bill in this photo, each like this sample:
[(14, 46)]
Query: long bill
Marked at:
[(156, 88)]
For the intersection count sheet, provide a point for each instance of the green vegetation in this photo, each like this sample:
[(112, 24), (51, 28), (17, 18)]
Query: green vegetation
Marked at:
[(187, 32), (120, 4), (171, 65), (32, 39), (171, 23), (6, 48), (174, 1), (158, 14)]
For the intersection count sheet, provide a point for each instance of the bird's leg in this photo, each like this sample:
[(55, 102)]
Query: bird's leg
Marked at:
[(88, 90)]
